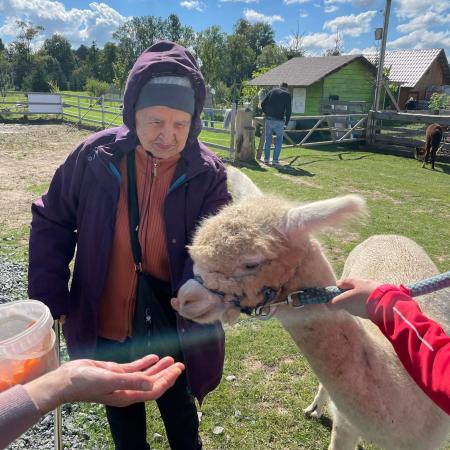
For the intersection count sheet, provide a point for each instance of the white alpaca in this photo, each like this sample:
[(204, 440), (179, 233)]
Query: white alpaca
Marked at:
[(265, 241)]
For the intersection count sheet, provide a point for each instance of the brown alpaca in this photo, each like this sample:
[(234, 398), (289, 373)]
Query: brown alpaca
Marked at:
[(433, 137)]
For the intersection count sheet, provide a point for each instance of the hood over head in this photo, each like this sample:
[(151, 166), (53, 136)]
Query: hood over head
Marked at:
[(163, 58)]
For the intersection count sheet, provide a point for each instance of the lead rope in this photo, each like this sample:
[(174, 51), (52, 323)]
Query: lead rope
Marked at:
[(315, 296)]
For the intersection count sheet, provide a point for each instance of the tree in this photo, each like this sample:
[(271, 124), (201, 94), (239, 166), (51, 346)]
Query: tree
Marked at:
[(257, 36), (96, 87), (93, 60), (2, 46), (20, 53), (271, 56), (6, 75), (108, 57), (338, 47), (59, 48), (239, 63), (81, 52), (36, 81), (211, 51), (294, 46)]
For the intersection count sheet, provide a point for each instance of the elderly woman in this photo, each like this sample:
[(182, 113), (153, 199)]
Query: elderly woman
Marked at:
[(128, 199)]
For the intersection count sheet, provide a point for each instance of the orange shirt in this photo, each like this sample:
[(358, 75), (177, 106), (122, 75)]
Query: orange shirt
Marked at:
[(117, 302)]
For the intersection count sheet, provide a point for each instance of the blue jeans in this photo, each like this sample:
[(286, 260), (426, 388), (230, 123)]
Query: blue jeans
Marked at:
[(208, 113), (277, 127)]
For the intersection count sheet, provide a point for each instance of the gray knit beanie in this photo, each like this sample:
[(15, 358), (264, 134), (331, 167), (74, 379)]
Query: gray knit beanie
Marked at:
[(169, 90)]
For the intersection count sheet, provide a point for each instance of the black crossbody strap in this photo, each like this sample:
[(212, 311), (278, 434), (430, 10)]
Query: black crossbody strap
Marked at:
[(133, 210)]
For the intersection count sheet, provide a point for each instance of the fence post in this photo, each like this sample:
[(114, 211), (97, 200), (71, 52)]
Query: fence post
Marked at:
[(102, 100), (232, 130), (79, 111)]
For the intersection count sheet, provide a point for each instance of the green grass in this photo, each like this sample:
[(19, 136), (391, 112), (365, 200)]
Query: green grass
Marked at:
[(262, 407)]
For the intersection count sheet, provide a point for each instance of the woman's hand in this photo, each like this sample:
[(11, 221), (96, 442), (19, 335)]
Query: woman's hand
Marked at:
[(354, 299), (110, 383)]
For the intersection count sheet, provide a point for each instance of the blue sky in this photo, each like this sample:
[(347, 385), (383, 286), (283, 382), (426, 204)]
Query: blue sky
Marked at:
[(413, 24)]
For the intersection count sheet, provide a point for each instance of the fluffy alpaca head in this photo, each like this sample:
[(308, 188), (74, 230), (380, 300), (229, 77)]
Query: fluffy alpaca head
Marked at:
[(254, 243)]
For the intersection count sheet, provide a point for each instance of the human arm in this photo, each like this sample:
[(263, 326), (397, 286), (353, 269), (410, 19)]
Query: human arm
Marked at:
[(84, 380), (288, 109), (420, 343), (53, 236)]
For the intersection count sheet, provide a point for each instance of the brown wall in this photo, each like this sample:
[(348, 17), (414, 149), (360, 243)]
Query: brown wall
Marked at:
[(434, 76)]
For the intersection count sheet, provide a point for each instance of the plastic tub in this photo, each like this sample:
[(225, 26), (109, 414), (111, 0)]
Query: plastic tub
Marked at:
[(27, 342)]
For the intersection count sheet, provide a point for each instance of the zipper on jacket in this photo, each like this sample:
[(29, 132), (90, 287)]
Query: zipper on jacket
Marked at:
[(148, 323), (155, 166)]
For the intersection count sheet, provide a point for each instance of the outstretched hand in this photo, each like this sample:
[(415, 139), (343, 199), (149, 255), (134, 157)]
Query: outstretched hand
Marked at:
[(105, 382), (354, 299)]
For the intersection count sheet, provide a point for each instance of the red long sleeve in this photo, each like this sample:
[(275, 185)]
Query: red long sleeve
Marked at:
[(420, 343)]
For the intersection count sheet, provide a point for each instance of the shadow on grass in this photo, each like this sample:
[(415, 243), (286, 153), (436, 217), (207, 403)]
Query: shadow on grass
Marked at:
[(340, 156)]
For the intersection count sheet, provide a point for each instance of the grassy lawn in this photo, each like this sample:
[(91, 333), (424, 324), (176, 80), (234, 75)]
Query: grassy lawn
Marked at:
[(261, 405)]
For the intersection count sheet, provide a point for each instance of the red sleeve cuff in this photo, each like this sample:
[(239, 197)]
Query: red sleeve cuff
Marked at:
[(379, 294)]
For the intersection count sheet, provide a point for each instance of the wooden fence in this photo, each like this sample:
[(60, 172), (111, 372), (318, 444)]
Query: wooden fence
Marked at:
[(403, 129)]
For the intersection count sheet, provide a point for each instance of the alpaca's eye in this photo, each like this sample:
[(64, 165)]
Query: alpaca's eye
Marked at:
[(251, 266)]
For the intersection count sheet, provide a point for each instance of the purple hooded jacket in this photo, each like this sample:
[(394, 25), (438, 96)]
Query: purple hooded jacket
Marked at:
[(79, 212)]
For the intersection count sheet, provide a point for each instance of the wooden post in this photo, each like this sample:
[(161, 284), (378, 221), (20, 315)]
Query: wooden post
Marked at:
[(102, 100), (79, 112), (245, 136), (232, 130), (262, 140)]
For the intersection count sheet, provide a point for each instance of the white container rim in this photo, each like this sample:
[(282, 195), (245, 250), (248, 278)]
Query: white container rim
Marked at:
[(20, 345)]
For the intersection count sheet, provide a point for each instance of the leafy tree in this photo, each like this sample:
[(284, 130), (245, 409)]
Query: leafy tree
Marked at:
[(271, 56), (257, 36), (59, 48), (20, 53), (239, 63), (338, 47), (6, 75), (439, 101), (211, 51), (81, 52), (294, 46), (2, 46), (96, 87), (36, 81), (93, 60), (108, 57)]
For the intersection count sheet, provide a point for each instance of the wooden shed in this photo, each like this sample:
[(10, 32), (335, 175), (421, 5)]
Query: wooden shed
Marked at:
[(317, 84), (416, 71)]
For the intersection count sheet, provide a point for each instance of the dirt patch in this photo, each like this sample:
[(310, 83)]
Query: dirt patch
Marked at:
[(29, 156)]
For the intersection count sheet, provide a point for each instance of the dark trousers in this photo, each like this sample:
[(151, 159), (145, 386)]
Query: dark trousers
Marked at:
[(176, 406)]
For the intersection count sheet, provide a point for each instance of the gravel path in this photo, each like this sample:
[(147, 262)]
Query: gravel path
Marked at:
[(75, 435)]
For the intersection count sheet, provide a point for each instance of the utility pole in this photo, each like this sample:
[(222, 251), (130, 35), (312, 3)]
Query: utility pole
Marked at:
[(379, 84)]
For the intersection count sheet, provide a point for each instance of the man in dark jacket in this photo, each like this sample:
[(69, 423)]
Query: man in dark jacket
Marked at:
[(128, 200), (277, 109)]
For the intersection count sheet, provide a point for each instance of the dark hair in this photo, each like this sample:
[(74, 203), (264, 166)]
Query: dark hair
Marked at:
[(284, 84)]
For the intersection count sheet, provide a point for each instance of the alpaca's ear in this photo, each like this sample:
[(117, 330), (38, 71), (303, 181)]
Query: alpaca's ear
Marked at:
[(241, 185), (322, 214)]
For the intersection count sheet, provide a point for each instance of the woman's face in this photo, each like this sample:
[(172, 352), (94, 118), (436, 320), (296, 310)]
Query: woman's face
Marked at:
[(162, 131)]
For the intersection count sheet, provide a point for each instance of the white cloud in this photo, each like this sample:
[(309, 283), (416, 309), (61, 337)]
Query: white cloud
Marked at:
[(239, 1), (413, 8), (357, 3), (351, 25), (77, 25), (358, 51), (192, 4), (304, 14), (330, 8), (424, 21), (421, 39), (292, 2), (254, 16), (318, 41)]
